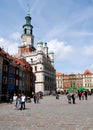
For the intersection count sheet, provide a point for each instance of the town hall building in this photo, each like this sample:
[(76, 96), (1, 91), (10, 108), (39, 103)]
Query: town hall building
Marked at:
[(39, 58)]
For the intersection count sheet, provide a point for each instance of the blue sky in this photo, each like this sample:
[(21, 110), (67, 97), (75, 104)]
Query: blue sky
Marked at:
[(66, 25)]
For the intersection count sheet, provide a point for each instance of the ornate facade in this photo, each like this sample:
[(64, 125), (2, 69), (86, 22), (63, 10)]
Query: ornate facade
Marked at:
[(40, 59)]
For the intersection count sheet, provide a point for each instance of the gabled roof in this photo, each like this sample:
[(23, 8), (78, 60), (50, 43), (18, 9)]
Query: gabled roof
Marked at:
[(23, 63), (18, 61), (87, 72), (58, 74), (5, 54)]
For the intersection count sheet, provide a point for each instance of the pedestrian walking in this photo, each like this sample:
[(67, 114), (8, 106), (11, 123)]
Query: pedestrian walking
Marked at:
[(37, 97), (23, 99), (15, 99), (34, 98), (73, 98), (83, 95), (18, 102), (57, 95), (79, 95), (86, 95)]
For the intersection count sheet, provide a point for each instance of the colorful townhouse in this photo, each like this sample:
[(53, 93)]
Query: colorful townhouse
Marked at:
[(16, 76), (76, 81), (59, 82), (88, 79)]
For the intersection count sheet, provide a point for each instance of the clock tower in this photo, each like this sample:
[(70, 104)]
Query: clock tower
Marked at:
[(39, 58), (27, 36)]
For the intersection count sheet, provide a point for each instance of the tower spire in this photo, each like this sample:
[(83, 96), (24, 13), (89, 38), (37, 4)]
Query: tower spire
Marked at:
[(28, 27), (28, 9), (27, 36)]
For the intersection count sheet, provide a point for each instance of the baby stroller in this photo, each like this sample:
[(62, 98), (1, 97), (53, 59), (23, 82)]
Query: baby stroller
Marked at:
[(69, 98)]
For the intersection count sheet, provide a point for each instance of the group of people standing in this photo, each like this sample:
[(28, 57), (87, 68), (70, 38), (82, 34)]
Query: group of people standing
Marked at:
[(71, 96), (36, 97), (80, 94), (19, 101)]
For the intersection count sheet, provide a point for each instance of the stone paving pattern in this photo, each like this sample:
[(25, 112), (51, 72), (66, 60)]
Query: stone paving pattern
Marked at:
[(49, 114)]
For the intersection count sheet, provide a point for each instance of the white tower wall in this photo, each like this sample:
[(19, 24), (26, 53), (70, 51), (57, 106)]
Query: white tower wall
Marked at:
[(39, 46), (46, 49), (51, 55)]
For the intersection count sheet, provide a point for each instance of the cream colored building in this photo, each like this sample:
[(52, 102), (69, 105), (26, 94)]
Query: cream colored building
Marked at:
[(59, 82), (88, 80), (79, 80), (64, 81), (40, 59)]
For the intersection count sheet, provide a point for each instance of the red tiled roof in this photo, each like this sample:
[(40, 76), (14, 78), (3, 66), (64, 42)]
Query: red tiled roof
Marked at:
[(22, 62), (5, 54), (87, 72), (18, 61), (58, 74)]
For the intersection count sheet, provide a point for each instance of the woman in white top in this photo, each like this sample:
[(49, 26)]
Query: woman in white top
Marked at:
[(15, 99)]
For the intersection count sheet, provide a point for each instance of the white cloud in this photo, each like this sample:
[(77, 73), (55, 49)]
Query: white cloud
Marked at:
[(15, 36), (8, 46), (88, 50), (60, 49)]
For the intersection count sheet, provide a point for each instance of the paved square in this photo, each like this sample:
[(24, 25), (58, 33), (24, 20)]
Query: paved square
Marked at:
[(49, 114)]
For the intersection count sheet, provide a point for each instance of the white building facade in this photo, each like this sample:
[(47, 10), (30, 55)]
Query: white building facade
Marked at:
[(59, 82), (88, 80), (40, 59)]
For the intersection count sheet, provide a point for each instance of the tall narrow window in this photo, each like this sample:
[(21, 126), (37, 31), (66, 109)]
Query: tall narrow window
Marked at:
[(35, 68)]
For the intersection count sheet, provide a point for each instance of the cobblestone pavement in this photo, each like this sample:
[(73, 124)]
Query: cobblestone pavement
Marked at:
[(49, 114)]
